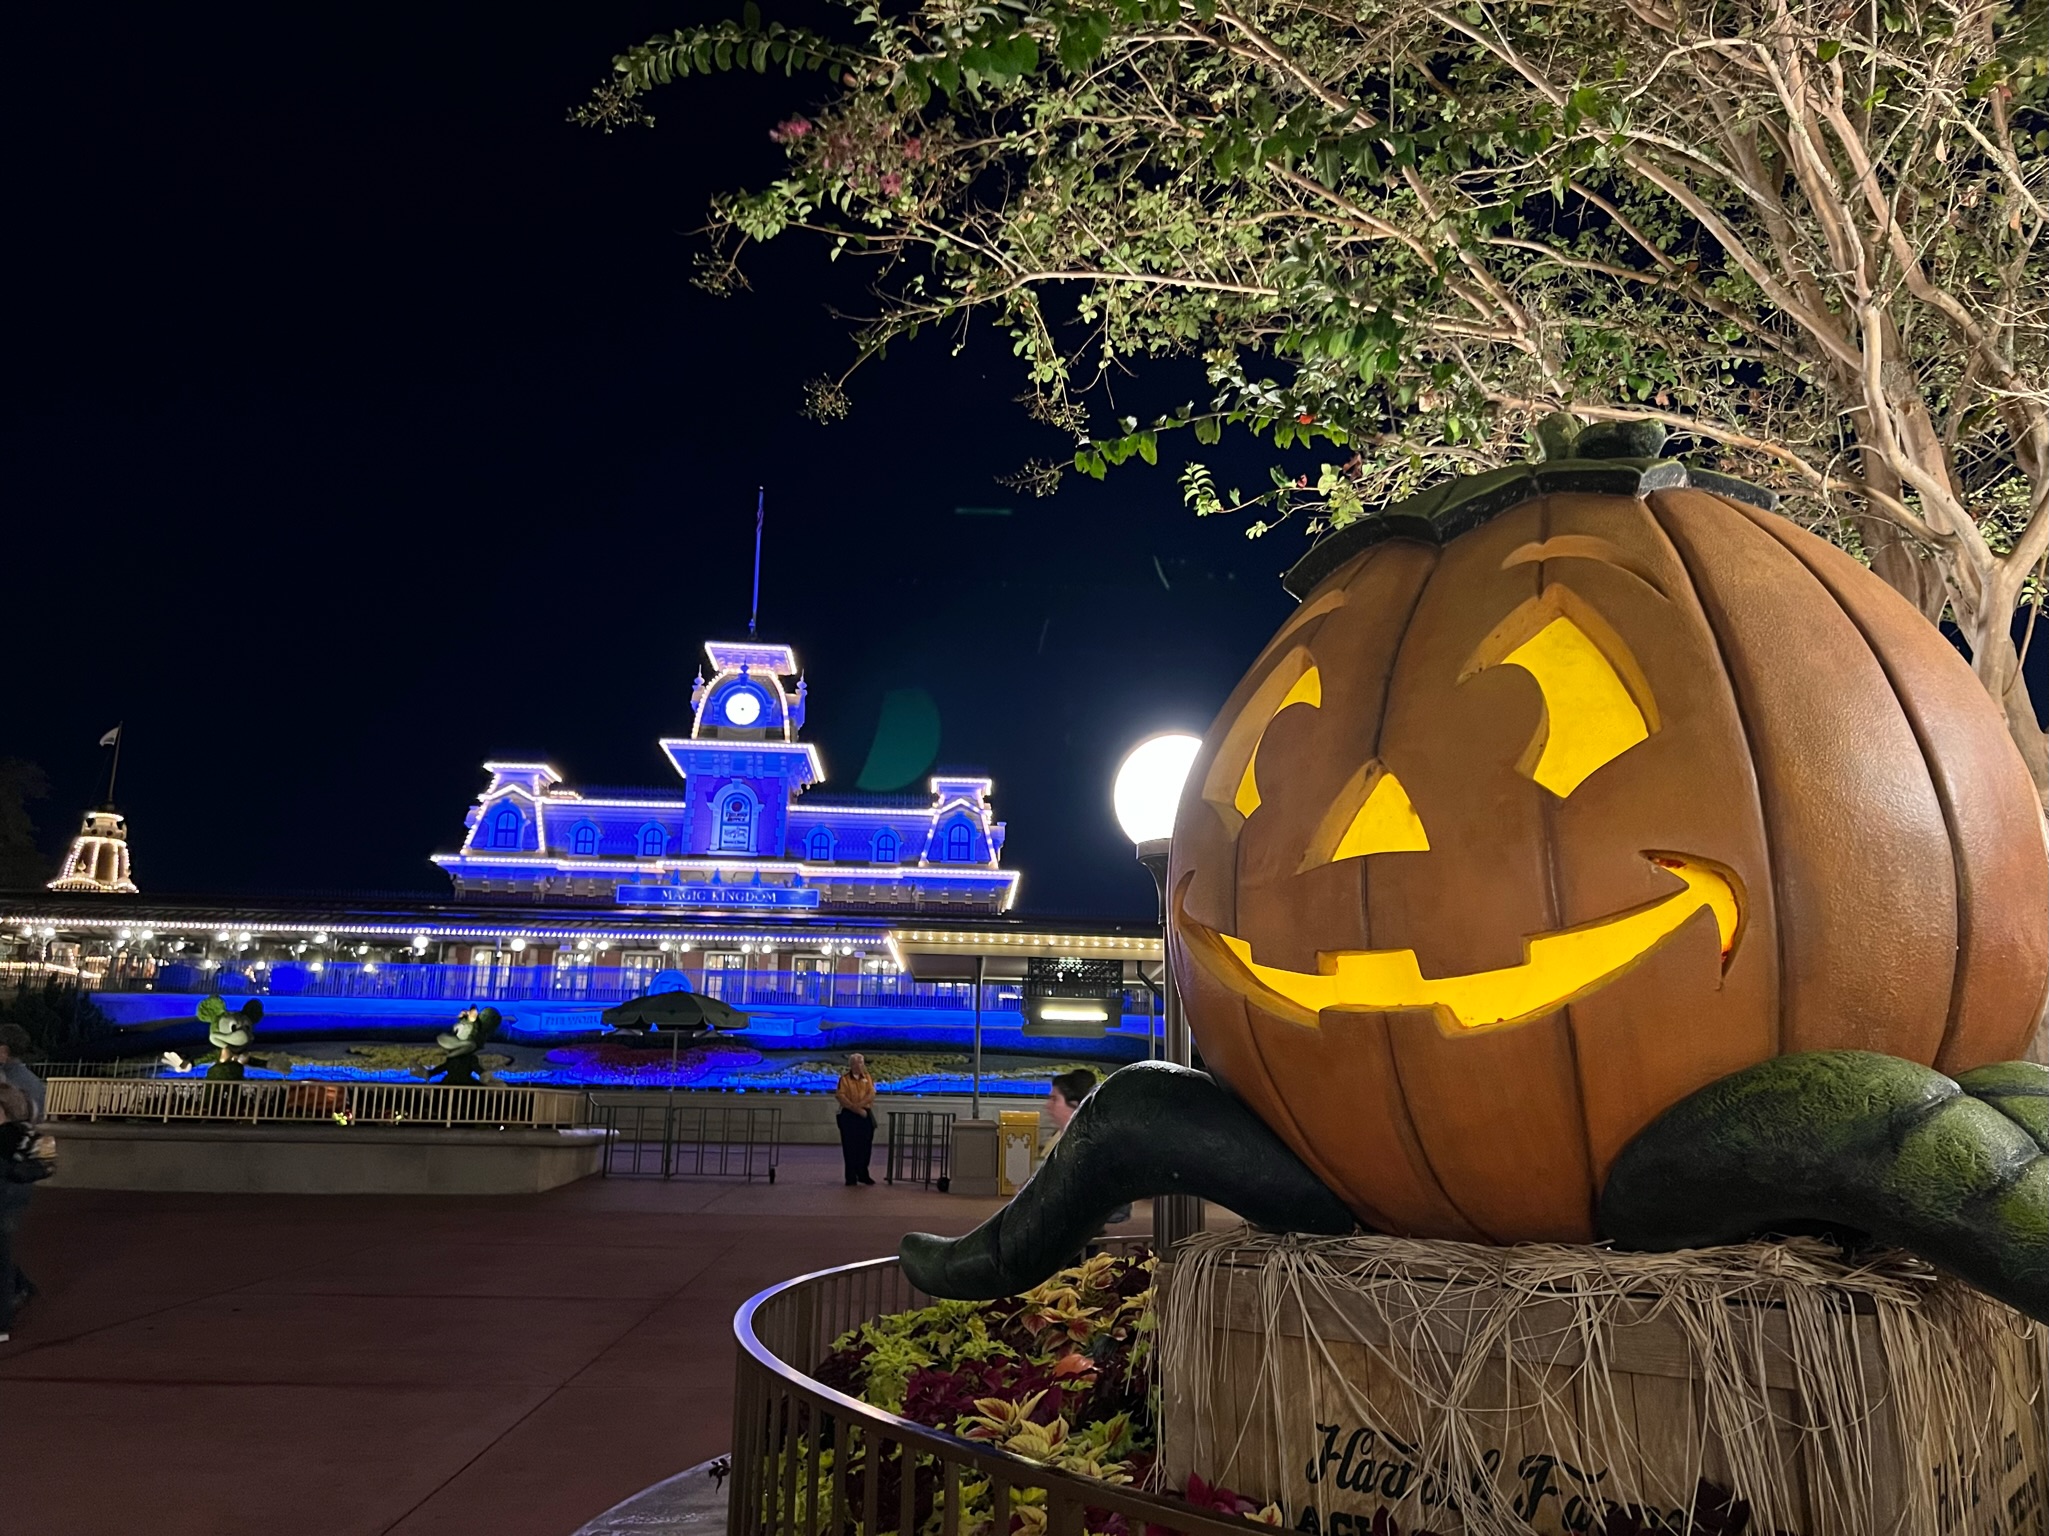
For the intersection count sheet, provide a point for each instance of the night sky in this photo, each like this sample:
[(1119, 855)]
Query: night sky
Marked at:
[(361, 423)]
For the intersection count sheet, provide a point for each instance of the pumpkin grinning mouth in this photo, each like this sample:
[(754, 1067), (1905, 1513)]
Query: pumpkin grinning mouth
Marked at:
[(1558, 967)]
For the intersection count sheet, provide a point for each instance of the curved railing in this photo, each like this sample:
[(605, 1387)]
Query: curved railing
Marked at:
[(811, 1461)]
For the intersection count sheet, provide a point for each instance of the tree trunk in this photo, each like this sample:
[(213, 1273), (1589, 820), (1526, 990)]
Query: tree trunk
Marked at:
[(1905, 566), (1996, 660)]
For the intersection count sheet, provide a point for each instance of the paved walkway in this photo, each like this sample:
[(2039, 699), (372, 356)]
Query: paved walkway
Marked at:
[(215, 1365)]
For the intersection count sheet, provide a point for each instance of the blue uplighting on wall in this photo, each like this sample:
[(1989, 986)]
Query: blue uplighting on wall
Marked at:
[(748, 805)]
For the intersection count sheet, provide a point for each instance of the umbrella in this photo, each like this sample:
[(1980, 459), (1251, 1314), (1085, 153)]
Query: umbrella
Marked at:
[(685, 1013)]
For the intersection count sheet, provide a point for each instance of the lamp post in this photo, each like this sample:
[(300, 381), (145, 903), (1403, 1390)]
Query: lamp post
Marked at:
[(1147, 792)]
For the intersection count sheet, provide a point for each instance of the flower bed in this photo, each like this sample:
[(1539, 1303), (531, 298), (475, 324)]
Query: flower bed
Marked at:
[(1061, 1375)]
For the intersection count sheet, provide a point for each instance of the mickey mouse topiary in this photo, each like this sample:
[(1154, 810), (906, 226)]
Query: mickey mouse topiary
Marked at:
[(474, 1027), (230, 1032)]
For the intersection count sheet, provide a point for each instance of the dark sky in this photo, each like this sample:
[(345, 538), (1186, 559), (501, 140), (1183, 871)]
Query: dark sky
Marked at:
[(361, 423)]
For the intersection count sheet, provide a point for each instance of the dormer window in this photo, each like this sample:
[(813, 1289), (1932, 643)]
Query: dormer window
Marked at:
[(505, 829), (960, 844), (653, 841), (885, 847), (584, 840), (820, 848), (736, 822)]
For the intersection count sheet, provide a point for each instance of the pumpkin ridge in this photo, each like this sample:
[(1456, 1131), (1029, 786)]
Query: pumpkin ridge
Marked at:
[(1413, 1131), (1298, 632), (1407, 1132), (1969, 882), (1567, 1020), (1857, 825), (1771, 861), (1937, 780)]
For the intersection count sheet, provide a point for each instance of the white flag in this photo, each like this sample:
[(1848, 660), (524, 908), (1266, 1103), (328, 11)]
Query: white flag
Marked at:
[(111, 737)]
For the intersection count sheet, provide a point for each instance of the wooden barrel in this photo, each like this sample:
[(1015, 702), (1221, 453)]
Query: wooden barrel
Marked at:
[(1390, 1387)]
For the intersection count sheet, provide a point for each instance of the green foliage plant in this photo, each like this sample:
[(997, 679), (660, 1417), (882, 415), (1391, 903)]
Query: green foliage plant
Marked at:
[(1061, 1375), (62, 1021), (1394, 234)]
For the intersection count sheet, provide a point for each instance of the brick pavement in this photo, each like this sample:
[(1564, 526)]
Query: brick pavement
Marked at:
[(258, 1365)]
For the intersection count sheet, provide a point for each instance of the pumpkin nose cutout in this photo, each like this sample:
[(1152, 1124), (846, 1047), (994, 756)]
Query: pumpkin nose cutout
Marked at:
[(1373, 815)]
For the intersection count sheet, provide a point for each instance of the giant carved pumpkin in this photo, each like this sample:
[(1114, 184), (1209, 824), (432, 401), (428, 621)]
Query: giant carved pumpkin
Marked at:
[(1552, 804)]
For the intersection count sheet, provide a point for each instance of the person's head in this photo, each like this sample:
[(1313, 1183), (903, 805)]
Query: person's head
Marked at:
[(14, 1043), (857, 1065), (1067, 1092)]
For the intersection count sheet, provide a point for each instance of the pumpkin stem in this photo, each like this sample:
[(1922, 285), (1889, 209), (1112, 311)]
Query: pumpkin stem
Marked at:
[(1151, 1128), (1950, 1169)]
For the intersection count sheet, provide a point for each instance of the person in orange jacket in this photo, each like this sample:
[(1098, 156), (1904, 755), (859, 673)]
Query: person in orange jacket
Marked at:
[(856, 1094)]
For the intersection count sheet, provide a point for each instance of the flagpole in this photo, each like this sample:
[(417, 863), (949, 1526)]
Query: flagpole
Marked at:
[(760, 502), (116, 769)]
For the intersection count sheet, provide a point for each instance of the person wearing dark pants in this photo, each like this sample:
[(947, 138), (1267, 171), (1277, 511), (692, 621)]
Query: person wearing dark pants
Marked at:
[(15, 1287), (856, 1094), (25, 1102), (15, 1131)]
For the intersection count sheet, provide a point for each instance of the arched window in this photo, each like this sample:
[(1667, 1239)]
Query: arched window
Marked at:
[(885, 847), (505, 829), (960, 844), (821, 847), (653, 841), (736, 823), (584, 840)]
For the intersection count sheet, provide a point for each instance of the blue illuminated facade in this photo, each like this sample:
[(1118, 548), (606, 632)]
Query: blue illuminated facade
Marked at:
[(745, 827)]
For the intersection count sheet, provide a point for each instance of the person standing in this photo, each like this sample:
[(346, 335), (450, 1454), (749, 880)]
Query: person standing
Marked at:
[(856, 1094), (1063, 1098), (14, 1044), (14, 1120), (22, 1100)]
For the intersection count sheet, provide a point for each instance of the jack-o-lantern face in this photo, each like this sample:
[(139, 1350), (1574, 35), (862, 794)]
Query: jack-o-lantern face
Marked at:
[(1502, 848)]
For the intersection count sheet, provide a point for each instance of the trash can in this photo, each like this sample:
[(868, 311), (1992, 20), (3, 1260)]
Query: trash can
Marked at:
[(975, 1158), (1019, 1144)]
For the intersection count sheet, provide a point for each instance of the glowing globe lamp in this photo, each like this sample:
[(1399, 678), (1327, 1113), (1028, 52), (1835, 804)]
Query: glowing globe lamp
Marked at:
[(1149, 785)]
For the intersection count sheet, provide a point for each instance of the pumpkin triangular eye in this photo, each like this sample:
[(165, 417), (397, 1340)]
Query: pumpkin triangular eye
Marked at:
[(1308, 690), (1372, 814)]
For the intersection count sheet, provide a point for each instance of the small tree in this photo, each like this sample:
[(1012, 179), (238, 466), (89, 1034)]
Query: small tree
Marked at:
[(1806, 235)]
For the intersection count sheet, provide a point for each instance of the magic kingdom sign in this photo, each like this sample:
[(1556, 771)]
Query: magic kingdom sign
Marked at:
[(783, 897)]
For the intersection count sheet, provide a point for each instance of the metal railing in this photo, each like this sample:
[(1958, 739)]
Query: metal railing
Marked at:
[(258, 1102), (920, 1148), (885, 1473), (131, 1066), (432, 982), (664, 1140)]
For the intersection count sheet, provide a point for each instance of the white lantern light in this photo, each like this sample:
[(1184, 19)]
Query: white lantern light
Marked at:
[(1149, 785)]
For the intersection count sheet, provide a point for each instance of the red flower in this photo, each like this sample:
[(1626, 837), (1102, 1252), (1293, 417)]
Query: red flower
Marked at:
[(892, 183), (914, 148), (788, 132), (1306, 417)]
